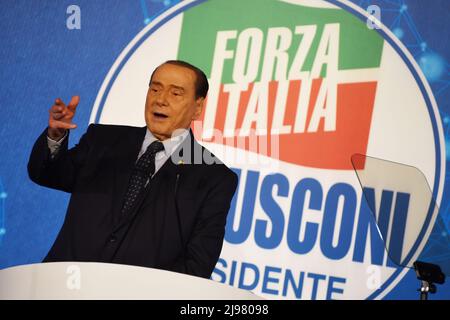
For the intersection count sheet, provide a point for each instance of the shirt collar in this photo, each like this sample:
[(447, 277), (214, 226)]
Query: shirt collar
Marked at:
[(170, 145)]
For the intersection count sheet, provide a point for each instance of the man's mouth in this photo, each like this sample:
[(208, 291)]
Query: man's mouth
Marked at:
[(159, 115)]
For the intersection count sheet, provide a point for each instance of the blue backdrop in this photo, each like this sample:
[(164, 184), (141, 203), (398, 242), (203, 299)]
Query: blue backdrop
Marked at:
[(42, 59)]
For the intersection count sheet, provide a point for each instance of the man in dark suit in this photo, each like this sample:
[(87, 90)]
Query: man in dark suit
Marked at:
[(148, 196)]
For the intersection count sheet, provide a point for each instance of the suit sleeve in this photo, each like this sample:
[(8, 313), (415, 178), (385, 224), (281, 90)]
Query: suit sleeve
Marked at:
[(205, 244), (61, 171)]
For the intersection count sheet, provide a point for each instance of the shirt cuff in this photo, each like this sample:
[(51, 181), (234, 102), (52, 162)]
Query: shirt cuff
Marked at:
[(54, 145)]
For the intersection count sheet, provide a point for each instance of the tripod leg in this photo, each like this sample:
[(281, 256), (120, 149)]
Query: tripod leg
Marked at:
[(424, 289), (423, 295)]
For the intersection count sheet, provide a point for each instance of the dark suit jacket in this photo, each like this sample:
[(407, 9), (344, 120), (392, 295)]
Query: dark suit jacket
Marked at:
[(97, 172)]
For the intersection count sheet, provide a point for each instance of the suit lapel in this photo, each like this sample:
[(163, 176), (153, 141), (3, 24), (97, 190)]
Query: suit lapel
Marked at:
[(179, 162), (166, 176)]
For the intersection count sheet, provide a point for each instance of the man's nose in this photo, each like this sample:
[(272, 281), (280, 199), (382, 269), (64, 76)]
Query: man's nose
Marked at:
[(161, 98)]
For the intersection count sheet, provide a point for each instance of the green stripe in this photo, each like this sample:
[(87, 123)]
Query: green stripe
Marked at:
[(360, 47)]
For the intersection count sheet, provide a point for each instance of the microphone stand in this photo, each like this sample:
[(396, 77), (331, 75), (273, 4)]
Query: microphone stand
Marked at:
[(428, 274), (177, 209)]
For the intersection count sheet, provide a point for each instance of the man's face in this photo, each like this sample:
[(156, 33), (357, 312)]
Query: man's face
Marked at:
[(171, 102)]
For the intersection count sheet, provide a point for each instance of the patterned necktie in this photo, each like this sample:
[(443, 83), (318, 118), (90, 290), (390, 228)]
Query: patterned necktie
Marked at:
[(142, 171)]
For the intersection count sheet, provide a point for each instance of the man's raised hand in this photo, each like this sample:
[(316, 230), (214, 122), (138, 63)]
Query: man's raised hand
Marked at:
[(60, 118)]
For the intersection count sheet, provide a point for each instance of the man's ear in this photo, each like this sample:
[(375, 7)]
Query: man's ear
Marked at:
[(199, 104)]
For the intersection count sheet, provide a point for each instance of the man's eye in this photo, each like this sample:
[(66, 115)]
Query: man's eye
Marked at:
[(176, 93)]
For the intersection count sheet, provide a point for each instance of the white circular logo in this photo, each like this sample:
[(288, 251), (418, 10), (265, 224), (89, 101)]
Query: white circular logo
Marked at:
[(299, 87)]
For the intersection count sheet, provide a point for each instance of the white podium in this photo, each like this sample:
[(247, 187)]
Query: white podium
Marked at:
[(103, 281)]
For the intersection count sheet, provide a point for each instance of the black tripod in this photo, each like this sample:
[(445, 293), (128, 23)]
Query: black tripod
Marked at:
[(428, 274)]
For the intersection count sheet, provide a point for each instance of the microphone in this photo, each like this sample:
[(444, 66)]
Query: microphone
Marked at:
[(179, 171)]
